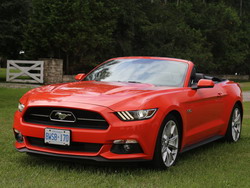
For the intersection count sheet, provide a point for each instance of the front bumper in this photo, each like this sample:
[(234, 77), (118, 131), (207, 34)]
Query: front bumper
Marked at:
[(94, 158), (145, 132)]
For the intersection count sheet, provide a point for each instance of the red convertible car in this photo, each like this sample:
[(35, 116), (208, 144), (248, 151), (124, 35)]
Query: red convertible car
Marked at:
[(130, 109)]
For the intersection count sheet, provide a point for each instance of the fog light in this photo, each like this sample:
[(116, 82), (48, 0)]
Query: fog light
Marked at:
[(126, 147), (129, 141), (18, 136)]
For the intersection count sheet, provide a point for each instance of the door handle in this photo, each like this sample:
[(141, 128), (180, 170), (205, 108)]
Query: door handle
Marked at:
[(220, 94)]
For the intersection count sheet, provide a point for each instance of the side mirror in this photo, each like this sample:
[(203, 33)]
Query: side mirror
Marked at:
[(203, 83), (79, 77)]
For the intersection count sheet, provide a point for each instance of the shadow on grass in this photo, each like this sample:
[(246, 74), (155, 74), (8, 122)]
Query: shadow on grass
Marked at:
[(84, 165)]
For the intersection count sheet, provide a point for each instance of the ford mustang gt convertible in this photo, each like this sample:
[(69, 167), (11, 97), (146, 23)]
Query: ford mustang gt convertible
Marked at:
[(129, 109)]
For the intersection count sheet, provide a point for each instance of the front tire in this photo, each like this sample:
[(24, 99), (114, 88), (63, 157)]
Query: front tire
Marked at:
[(168, 143), (234, 125)]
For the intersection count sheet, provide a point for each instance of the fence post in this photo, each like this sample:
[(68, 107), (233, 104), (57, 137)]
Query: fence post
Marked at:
[(7, 72), (53, 71)]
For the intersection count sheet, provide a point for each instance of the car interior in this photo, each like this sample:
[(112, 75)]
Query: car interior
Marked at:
[(195, 77)]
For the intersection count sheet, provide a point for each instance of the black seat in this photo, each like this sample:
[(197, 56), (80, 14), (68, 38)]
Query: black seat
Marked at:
[(199, 76)]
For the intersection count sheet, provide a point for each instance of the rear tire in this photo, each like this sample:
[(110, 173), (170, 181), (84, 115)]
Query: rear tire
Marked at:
[(168, 143), (234, 125)]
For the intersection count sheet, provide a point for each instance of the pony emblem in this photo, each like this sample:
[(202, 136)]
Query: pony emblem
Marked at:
[(62, 116)]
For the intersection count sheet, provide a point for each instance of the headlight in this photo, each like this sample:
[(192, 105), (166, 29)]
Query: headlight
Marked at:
[(136, 115), (20, 107)]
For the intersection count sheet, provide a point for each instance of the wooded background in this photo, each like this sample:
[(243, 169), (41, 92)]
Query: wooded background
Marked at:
[(215, 34)]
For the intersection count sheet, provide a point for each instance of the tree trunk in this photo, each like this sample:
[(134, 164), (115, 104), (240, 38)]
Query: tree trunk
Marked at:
[(67, 63), (178, 2), (241, 7)]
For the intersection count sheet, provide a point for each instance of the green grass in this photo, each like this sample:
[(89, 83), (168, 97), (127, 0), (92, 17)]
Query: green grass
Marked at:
[(2, 74), (217, 164), (245, 86)]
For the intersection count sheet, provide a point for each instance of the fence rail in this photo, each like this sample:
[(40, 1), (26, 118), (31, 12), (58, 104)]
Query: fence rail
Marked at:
[(25, 71)]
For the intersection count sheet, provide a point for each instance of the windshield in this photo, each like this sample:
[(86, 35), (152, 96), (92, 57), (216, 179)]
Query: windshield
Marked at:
[(152, 71)]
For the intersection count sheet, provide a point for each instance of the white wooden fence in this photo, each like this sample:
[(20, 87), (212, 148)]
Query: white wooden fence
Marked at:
[(26, 71)]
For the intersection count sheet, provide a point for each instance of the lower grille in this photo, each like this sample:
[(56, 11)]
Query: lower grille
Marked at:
[(77, 118), (74, 146)]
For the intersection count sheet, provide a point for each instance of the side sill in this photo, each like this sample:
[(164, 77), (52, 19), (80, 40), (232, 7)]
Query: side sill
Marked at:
[(193, 146)]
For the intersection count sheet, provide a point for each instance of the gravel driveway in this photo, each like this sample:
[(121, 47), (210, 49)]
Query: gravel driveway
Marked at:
[(14, 85), (246, 96)]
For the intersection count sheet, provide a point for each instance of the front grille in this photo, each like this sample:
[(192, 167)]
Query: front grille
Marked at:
[(74, 146), (83, 118)]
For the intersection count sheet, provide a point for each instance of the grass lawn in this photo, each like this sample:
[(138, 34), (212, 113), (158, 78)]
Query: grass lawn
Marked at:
[(2, 74), (245, 86), (218, 164)]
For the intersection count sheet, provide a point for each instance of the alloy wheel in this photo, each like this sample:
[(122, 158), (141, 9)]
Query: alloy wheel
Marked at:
[(169, 143), (236, 124)]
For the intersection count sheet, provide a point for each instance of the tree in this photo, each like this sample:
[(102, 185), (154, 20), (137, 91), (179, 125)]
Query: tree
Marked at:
[(211, 33), (74, 30), (223, 31), (13, 16), (168, 34)]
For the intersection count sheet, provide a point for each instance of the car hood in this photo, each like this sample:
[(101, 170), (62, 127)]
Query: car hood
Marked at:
[(108, 94)]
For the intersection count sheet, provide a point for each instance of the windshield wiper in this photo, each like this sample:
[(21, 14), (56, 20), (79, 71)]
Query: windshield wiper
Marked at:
[(130, 81), (133, 82)]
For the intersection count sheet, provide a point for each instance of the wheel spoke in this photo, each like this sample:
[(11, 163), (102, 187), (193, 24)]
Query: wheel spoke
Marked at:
[(173, 142), (238, 129), (171, 157), (235, 113), (173, 138), (164, 137), (168, 157), (163, 141), (167, 131), (172, 146), (172, 129), (237, 135), (237, 118), (174, 152), (164, 156), (233, 133), (235, 129), (164, 149)]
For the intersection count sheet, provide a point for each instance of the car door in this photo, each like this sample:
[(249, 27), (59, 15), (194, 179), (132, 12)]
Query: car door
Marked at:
[(204, 110)]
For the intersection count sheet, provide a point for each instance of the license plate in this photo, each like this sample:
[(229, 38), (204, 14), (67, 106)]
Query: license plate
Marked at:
[(57, 137)]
